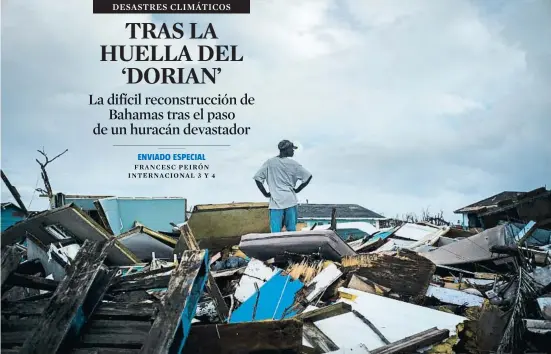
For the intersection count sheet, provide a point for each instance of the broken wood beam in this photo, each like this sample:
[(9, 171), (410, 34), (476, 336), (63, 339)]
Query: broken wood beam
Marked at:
[(284, 336), (10, 262), (317, 338), (74, 300), (325, 312), (140, 275), (212, 288), (170, 329), (31, 282), (159, 281), (14, 193), (106, 310), (412, 343)]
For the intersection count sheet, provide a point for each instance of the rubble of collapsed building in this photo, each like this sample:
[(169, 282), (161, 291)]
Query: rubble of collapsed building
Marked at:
[(100, 275)]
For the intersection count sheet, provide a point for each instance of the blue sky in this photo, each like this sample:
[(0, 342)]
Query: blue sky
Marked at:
[(397, 105)]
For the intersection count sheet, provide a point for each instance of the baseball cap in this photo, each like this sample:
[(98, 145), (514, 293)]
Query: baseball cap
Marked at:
[(285, 144)]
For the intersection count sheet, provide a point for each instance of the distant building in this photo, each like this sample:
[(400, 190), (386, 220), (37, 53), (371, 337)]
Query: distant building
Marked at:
[(320, 214), (11, 214), (508, 206)]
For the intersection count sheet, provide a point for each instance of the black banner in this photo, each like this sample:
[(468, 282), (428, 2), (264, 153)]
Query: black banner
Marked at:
[(172, 6)]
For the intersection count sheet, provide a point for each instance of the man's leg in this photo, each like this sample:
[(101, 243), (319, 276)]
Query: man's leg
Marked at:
[(291, 218), (276, 220)]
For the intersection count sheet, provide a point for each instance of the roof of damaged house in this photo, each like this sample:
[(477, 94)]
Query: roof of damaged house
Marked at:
[(323, 211), (501, 199)]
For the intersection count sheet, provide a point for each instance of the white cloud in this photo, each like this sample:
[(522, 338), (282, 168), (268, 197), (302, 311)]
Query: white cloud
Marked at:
[(397, 105)]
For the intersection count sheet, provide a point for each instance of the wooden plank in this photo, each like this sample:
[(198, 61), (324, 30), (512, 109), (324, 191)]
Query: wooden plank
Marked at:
[(212, 288), (125, 310), (115, 333), (32, 282), (10, 262), (131, 340), (15, 194), (283, 336), (10, 339), (159, 281), (140, 275), (325, 312), (106, 310), (412, 343), (19, 324), (171, 327), (317, 338), (74, 300), (24, 308), (105, 351)]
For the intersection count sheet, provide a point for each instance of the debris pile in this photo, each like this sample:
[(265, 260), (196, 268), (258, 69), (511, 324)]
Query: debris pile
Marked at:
[(219, 282)]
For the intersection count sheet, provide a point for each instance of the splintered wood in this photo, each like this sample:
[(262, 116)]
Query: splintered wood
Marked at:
[(213, 290), (405, 273), (304, 271), (74, 300)]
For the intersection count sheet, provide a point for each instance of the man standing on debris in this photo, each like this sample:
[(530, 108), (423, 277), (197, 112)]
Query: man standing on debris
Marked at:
[(281, 173)]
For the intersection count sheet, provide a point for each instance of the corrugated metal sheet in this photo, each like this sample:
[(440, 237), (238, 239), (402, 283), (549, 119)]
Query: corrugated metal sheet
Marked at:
[(414, 231), (473, 249)]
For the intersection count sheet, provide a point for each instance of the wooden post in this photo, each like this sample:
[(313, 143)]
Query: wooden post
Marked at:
[(213, 290), (334, 219), (169, 332), (76, 297)]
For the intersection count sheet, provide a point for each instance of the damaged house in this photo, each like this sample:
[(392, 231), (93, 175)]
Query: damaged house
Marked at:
[(508, 206)]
